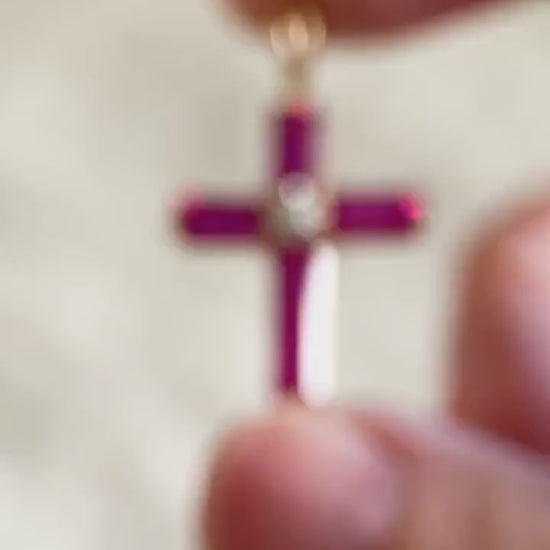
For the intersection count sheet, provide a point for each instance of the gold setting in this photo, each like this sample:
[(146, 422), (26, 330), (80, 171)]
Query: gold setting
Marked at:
[(296, 39), (277, 236)]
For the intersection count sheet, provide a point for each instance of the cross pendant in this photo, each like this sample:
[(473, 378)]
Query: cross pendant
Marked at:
[(298, 219)]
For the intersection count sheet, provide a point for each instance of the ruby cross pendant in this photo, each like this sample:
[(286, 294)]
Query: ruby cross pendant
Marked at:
[(298, 219)]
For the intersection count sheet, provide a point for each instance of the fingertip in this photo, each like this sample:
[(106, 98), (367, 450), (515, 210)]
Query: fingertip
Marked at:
[(232, 492), (298, 482), (258, 11), (499, 382), (354, 17)]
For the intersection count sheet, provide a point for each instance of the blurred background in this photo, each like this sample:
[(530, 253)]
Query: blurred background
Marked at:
[(123, 355)]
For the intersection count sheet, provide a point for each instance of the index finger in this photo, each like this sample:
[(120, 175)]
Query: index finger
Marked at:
[(345, 17)]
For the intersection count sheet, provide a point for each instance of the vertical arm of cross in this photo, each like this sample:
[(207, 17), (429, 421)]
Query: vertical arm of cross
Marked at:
[(291, 279), (359, 214), (295, 132)]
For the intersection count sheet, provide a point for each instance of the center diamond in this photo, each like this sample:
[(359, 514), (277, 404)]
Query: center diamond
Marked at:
[(300, 211)]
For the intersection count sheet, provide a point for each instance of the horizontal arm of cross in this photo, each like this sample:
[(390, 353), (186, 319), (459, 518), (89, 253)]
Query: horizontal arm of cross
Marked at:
[(362, 213), (220, 220), (354, 215)]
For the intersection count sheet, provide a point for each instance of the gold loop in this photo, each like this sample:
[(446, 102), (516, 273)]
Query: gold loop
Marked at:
[(298, 35)]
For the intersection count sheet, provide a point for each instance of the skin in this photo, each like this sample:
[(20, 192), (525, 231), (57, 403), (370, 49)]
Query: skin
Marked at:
[(347, 18), (353, 479)]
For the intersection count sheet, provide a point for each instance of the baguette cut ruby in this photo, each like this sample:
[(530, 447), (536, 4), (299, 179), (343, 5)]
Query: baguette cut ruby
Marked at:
[(297, 140), (292, 266), (363, 213), (224, 220)]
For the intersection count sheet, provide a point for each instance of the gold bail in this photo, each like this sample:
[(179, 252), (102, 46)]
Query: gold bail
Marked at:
[(299, 34), (296, 39)]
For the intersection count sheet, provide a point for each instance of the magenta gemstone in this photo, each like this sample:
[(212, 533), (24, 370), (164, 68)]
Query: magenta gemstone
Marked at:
[(362, 213), (220, 220), (291, 278), (296, 138)]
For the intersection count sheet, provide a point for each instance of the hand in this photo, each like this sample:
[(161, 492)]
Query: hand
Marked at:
[(345, 17), (360, 480)]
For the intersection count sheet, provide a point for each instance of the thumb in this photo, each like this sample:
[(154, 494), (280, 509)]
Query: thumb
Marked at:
[(306, 482)]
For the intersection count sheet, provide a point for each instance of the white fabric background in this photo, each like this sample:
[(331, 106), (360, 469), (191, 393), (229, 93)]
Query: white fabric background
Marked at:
[(123, 355)]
